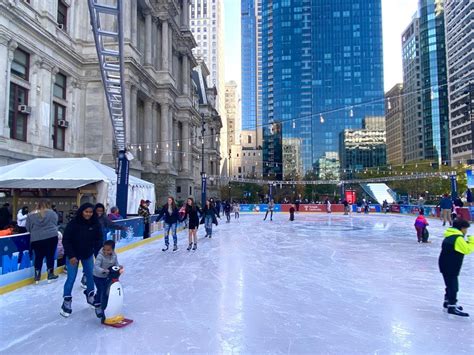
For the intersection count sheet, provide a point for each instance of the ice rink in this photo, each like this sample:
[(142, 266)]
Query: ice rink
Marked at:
[(322, 284)]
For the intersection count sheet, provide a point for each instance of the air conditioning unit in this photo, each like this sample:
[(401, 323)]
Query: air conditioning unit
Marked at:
[(24, 109), (63, 123), (60, 26)]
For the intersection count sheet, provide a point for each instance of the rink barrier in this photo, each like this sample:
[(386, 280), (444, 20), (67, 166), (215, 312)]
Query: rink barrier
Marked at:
[(310, 208), (16, 275)]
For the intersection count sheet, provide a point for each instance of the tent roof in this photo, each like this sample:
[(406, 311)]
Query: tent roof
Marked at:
[(59, 173)]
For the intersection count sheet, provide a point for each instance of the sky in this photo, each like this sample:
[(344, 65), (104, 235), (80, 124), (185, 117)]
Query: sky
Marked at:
[(396, 16)]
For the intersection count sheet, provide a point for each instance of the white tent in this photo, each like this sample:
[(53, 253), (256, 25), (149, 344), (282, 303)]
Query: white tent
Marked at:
[(73, 173)]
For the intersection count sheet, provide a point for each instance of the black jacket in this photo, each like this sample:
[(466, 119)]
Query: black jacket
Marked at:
[(169, 218), (193, 214), (450, 261), (209, 212), (82, 238)]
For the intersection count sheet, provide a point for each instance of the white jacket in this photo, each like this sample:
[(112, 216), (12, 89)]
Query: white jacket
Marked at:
[(21, 219)]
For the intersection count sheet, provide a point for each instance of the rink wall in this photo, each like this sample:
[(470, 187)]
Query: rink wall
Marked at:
[(316, 208), (17, 271)]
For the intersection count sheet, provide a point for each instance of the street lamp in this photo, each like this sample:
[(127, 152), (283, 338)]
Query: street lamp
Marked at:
[(203, 173)]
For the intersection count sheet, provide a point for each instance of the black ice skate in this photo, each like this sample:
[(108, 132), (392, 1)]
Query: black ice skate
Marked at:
[(445, 306), (66, 309), (165, 248), (37, 276), (83, 282), (89, 297), (51, 276), (175, 248), (189, 246), (195, 246), (452, 309)]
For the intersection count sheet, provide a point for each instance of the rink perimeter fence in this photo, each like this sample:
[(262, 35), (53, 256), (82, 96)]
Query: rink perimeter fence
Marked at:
[(16, 258)]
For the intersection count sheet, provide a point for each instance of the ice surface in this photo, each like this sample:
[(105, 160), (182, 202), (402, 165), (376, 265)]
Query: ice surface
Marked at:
[(322, 284)]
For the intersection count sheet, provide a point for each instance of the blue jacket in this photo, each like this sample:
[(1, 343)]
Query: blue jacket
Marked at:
[(446, 203)]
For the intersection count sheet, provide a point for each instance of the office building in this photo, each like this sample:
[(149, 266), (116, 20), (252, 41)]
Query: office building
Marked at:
[(322, 72), (394, 124), (459, 24)]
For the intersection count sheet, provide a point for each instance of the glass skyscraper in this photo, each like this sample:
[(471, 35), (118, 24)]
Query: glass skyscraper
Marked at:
[(249, 64), (322, 72)]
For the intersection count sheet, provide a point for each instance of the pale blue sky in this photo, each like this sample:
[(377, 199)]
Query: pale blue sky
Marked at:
[(397, 15)]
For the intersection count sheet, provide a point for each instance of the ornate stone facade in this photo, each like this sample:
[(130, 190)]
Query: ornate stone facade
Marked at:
[(63, 89)]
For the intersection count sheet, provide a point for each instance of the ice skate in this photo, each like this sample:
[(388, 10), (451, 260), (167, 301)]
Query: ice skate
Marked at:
[(165, 248), (453, 310), (51, 276), (89, 297), (445, 306), (37, 276), (189, 246), (195, 246), (99, 312), (83, 282), (66, 309), (175, 248)]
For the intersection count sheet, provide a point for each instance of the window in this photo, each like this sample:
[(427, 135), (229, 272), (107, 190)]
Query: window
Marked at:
[(59, 90), (17, 121), (21, 64), (62, 14), (249, 139), (59, 135), (178, 189)]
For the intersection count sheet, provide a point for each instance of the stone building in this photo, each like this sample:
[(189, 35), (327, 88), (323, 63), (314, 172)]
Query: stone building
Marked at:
[(53, 102), (246, 159), (394, 123)]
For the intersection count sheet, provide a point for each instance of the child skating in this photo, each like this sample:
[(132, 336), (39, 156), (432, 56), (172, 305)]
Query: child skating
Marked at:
[(450, 261), (420, 225)]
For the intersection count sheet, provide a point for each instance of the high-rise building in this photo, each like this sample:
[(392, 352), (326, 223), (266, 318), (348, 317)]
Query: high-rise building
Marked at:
[(413, 143), (434, 81), (207, 25), (459, 17), (232, 108), (394, 124), (322, 72), (364, 148)]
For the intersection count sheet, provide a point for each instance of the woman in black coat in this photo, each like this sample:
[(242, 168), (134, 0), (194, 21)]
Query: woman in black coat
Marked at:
[(192, 211), (81, 240), (209, 217), (170, 213)]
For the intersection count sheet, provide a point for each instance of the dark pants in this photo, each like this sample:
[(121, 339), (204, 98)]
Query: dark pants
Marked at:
[(44, 248), (292, 216), (146, 232), (271, 215), (452, 288), (100, 284), (227, 215)]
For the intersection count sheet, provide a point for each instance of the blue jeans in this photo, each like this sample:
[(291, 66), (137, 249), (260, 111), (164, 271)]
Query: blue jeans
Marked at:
[(208, 225), (172, 228), (87, 265), (100, 283)]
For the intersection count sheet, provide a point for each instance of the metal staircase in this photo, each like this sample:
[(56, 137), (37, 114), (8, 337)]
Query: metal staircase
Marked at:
[(107, 26)]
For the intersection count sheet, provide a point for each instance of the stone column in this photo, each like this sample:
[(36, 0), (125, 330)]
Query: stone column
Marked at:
[(134, 25), (185, 145), (186, 74), (133, 116), (148, 38), (7, 48), (165, 136), (128, 101), (148, 134), (175, 143), (185, 14), (170, 51), (165, 60)]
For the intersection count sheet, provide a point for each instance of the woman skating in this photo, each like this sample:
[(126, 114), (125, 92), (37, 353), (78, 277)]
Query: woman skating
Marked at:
[(192, 211), (170, 213), (209, 217)]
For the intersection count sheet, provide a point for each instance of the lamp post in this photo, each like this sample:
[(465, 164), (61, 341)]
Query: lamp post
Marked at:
[(203, 173)]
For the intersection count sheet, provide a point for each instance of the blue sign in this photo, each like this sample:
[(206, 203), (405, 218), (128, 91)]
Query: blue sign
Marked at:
[(470, 179)]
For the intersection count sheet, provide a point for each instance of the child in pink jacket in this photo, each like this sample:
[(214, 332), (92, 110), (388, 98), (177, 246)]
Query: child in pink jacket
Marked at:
[(420, 225)]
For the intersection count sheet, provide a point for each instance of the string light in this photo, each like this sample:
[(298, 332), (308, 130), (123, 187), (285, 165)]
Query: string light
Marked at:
[(321, 118), (351, 113), (177, 144), (140, 148), (389, 104)]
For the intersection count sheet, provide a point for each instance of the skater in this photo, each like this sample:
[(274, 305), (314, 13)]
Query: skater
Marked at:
[(144, 211), (42, 224), (236, 210), (21, 219), (385, 206), (297, 204), (420, 225), (105, 259), (453, 249), (469, 197), (170, 213), (328, 205), (270, 207), (82, 237), (227, 211), (208, 218), (192, 211), (292, 213), (446, 206)]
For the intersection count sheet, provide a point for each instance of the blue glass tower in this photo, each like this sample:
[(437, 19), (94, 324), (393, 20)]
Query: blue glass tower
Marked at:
[(249, 64), (322, 72)]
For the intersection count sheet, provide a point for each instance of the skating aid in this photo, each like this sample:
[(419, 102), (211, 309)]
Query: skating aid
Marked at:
[(113, 301)]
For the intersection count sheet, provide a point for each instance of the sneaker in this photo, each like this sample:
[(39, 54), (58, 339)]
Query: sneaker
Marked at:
[(52, 276), (89, 297), (37, 276), (195, 246), (189, 246), (165, 248), (66, 309), (452, 309), (175, 248)]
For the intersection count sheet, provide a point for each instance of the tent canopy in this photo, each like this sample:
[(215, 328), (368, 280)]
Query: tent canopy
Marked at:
[(72, 173)]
